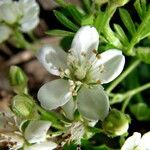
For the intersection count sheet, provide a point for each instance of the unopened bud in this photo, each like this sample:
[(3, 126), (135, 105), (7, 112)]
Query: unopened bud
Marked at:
[(116, 123), (22, 105), (18, 79)]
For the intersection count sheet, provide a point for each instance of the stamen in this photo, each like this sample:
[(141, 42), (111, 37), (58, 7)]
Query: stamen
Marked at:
[(98, 82), (94, 51), (83, 54), (98, 56)]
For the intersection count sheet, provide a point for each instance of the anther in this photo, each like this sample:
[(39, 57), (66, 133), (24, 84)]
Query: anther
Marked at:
[(83, 54), (94, 51), (98, 56), (98, 82)]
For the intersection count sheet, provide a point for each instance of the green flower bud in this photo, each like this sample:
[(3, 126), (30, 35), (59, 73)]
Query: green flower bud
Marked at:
[(18, 79), (116, 123), (22, 105), (118, 3)]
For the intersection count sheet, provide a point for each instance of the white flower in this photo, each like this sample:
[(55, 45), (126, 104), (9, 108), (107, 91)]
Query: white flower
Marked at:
[(5, 32), (9, 133), (82, 71), (30, 12), (24, 13), (36, 133), (136, 142)]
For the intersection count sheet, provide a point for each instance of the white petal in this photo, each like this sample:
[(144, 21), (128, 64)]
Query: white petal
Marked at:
[(7, 12), (112, 61), (36, 131), (132, 142), (145, 141), (69, 109), (85, 41), (4, 33), (54, 94), (93, 103), (30, 18), (28, 25), (42, 146), (52, 59)]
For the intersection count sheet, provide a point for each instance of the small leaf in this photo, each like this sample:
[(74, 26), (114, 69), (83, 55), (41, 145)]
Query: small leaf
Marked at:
[(58, 32), (138, 8), (141, 111), (75, 13), (121, 34), (65, 21), (87, 5), (88, 20), (127, 20), (143, 53)]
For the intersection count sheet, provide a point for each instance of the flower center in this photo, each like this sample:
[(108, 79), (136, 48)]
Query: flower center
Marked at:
[(86, 70)]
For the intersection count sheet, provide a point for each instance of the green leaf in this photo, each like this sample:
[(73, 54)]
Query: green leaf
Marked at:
[(75, 13), (58, 32), (138, 8), (98, 20), (88, 20), (121, 34), (143, 53), (141, 111), (61, 3), (87, 5), (127, 20), (65, 21)]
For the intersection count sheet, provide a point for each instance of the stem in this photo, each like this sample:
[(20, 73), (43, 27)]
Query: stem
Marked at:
[(138, 90), (131, 93), (123, 75), (126, 102), (51, 117)]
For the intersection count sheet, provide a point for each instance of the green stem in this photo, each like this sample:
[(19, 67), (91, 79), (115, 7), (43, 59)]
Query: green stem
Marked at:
[(51, 117), (138, 90), (130, 94), (123, 75), (126, 102)]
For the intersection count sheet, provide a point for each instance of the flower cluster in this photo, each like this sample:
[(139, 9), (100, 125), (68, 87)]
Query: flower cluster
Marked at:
[(82, 70), (136, 142), (22, 14), (34, 136)]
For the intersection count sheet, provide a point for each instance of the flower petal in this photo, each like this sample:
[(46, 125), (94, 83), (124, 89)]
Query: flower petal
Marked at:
[(93, 103), (52, 59), (7, 12), (54, 94), (85, 41), (112, 62), (5, 32), (36, 131), (132, 142), (69, 109), (28, 25), (48, 145), (145, 141), (30, 18)]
